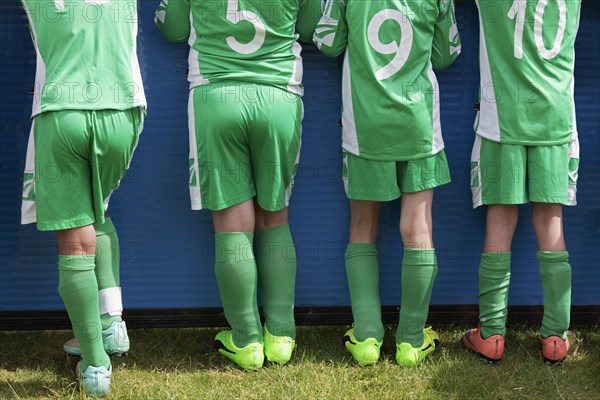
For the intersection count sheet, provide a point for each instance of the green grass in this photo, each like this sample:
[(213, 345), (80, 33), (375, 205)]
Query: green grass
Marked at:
[(181, 364)]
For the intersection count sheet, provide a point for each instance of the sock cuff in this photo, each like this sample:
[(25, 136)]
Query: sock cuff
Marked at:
[(497, 259), (106, 228), (553, 256), (234, 247), (274, 230), (360, 250), (233, 236), (418, 257), (76, 263)]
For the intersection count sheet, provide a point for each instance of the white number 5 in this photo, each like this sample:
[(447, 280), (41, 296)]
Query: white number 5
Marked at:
[(401, 50), (234, 16)]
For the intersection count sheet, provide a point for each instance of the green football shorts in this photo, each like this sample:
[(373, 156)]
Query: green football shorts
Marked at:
[(244, 142), (375, 180), (75, 160), (500, 173)]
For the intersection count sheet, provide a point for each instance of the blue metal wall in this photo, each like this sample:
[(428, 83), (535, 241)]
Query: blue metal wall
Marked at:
[(167, 250)]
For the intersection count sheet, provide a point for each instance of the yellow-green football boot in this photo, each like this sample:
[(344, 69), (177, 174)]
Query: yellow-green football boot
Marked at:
[(250, 357), (408, 356), (278, 349), (364, 353)]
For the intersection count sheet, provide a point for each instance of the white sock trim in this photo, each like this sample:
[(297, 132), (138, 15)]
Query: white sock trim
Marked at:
[(110, 301)]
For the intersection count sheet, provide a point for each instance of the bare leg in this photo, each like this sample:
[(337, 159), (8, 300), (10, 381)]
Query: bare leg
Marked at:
[(77, 241), (548, 226), (500, 227), (415, 220), (364, 221)]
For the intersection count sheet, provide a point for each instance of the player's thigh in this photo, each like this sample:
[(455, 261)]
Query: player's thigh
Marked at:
[(498, 173), (424, 173), (275, 137), (63, 186), (552, 173), (220, 169), (369, 180)]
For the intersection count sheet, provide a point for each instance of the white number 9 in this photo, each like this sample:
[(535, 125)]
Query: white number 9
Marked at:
[(401, 50)]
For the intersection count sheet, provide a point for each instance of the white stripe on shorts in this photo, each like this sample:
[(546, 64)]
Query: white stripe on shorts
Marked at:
[(195, 193), (476, 173)]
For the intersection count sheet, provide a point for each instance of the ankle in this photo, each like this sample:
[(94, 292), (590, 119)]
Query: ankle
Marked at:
[(106, 320)]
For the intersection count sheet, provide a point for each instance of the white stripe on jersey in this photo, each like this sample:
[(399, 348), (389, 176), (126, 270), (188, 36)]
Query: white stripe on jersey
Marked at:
[(297, 70), (40, 69), (195, 76), (489, 127), (139, 98), (349, 136), (437, 139)]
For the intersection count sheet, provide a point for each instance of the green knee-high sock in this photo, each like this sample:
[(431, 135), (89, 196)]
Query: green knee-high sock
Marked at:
[(276, 265), (235, 270), (555, 272), (419, 268), (494, 279), (107, 273), (362, 270), (79, 290)]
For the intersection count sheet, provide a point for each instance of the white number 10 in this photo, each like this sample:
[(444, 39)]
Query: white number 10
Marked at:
[(517, 12)]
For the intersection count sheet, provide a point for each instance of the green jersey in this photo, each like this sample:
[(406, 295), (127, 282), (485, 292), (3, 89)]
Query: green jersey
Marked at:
[(527, 58), (241, 40), (86, 55), (390, 94)]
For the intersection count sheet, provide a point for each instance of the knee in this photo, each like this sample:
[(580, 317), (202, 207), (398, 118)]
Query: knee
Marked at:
[(546, 214), (415, 232), (503, 217), (363, 229), (77, 241), (270, 219)]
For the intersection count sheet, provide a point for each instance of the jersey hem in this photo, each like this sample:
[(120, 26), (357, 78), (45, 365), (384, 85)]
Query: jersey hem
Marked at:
[(553, 200), (73, 223), (221, 205), (524, 142), (28, 220), (282, 86), (143, 108), (373, 197), (567, 202), (368, 156)]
